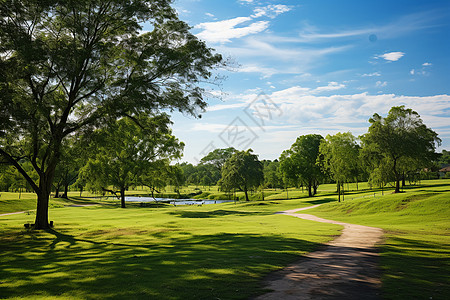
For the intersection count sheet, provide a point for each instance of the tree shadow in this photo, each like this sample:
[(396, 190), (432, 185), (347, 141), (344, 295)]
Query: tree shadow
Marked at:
[(321, 201), (226, 266), (213, 213), (415, 268)]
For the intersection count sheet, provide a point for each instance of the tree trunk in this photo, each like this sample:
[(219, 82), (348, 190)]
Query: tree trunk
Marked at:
[(397, 185), (339, 191), (397, 177), (66, 190), (122, 197), (57, 192), (246, 195), (41, 221), (315, 186), (43, 195), (309, 189)]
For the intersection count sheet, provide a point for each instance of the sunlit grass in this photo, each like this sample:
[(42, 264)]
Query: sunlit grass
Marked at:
[(218, 251), (196, 252), (414, 255)]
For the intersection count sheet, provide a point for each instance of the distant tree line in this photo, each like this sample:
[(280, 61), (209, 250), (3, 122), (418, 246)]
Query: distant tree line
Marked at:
[(126, 153)]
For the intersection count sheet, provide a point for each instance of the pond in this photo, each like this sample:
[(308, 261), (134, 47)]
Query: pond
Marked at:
[(175, 201)]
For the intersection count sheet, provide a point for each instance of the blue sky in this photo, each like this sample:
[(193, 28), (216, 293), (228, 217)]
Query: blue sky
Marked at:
[(301, 67)]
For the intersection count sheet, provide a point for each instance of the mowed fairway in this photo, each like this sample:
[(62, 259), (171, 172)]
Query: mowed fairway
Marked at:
[(220, 251), (208, 252), (415, 254)]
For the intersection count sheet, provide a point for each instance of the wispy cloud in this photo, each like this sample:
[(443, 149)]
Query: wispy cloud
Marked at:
[(402, 26)]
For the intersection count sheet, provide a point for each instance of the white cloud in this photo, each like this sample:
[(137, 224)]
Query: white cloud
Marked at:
[(371, 74), (427, 64), (271, 11), (332, 86), (224, 31), (391, 56), (381, 83), (209, 14), (412, 72)]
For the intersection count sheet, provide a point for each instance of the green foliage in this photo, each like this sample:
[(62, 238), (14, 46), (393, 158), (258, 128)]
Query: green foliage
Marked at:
[(243, 171), (218, 157), (272, 178), (298, 164), (399, 141), (124, 150), (70, 65), (339, 156)]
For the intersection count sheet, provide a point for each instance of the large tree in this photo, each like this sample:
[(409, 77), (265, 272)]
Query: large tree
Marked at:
[(338, 155), (399, 138), (298, 163), (243, 171), (119, 162), (66, 65)]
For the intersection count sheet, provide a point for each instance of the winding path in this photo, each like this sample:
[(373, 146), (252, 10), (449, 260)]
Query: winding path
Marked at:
[(347, 268)]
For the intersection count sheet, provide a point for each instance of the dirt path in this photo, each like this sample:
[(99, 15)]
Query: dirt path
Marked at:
[(13, 213), (347, 268)]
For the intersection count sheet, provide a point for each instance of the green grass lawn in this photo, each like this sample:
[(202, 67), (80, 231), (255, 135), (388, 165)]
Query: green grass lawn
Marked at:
[(194, 252), (415, 253), (217, 251)]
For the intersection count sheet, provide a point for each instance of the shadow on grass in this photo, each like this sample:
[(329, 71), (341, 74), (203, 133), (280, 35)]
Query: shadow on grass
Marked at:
[(321, 201), (213, 213), (415, 269), (226, 266)]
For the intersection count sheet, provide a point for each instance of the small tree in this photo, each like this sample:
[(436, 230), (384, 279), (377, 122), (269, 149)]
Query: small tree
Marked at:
[(243, 171), (339, 155), (299, 162)]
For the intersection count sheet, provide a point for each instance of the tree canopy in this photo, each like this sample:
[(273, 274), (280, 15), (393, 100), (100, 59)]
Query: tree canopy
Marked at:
[(124, 151), (66, 65), (400, 138), (339, 155), (243, 171), (299, 162)]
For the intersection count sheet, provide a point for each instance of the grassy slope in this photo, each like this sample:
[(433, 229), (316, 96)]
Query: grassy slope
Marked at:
[(221, 250), (414, 256), (207, 252)]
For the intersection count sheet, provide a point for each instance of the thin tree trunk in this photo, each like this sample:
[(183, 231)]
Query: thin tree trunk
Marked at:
[(122, 197), (246, 195), (66, 190), (343, 189), (57, 192), (339, 191)]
